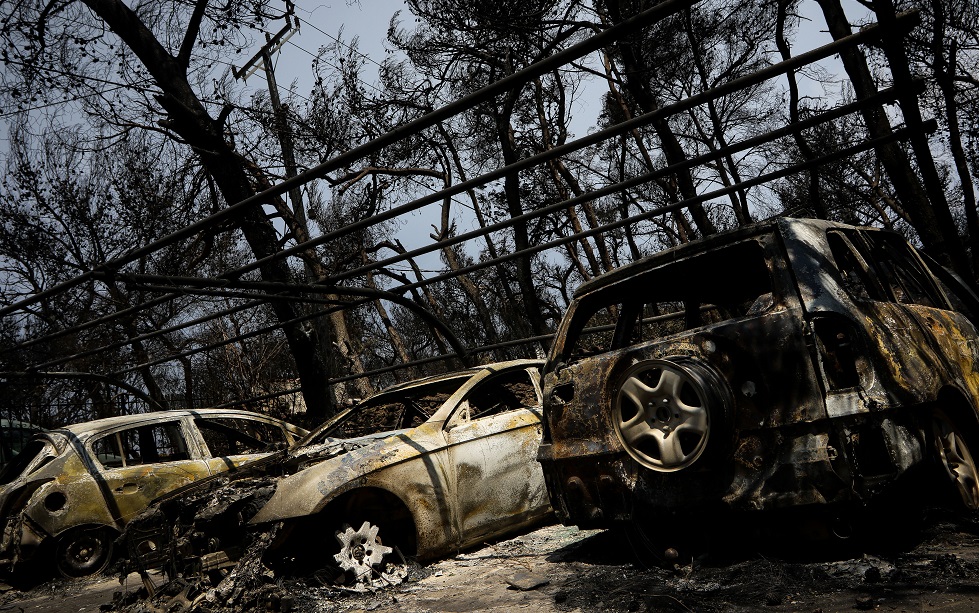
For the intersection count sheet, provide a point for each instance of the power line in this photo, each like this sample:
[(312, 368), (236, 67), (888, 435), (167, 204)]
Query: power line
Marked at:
[(339, 42)]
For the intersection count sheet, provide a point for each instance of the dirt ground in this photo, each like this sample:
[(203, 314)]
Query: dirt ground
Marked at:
[(558, 568)]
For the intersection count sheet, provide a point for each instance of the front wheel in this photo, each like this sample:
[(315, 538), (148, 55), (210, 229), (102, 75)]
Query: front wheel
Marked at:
[(956, 459), (361, 551), (84, 551)]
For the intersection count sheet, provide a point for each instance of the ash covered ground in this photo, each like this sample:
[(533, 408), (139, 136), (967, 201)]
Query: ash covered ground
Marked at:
[(558, 568)]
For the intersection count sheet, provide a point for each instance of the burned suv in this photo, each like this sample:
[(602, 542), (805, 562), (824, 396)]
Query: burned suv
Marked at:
[(791, 364)]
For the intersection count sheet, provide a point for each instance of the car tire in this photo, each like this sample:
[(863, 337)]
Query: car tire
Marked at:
[(84, 551), (671, 414), (955, 458)]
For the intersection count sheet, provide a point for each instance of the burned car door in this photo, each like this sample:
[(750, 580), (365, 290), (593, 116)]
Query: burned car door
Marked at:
[(877, 320), (140, 463), (948, 339), (492, 439)]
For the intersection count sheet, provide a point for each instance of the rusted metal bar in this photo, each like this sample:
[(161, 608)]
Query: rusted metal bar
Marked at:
[(142, 337), (461, 187), (372, 294), (262, 286), (132, 389), (761, 179), (198, 321), (774, 70), (865, 34), (542, 247), (881, 97), (521, 77)]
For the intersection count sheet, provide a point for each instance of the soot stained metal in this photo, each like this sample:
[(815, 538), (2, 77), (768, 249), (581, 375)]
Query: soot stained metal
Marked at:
[(794, 364), (429, 467)]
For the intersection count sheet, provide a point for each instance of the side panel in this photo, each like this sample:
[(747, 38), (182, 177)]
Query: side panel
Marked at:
[(499, 484)]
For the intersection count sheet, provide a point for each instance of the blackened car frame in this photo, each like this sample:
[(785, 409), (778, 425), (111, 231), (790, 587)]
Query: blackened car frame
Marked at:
[(790, 365)]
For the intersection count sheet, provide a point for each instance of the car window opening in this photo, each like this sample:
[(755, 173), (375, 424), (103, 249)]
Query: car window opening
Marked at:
[(721, 285)]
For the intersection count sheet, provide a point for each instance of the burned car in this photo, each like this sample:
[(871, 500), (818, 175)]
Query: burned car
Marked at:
[(70, 492), (431, 467), (795, 364)]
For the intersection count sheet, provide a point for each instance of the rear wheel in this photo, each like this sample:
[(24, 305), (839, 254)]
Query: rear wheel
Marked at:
[(84, 551), (666, 413), (956, 459)]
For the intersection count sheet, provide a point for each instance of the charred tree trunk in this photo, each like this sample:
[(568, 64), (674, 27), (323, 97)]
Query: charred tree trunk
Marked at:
[(188, 118), (945, 77), (815, 200), (938, 238), (521, 240), (637, 83)]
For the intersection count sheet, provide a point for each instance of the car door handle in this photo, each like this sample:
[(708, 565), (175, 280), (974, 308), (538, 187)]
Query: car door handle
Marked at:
[(127, 488)]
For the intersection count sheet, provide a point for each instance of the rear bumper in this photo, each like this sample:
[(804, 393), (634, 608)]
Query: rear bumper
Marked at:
[(765, 470)]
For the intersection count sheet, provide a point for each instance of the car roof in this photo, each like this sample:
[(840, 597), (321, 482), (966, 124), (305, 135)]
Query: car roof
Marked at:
[(422, 382), (89, 428), (701, 245), (466, 372)]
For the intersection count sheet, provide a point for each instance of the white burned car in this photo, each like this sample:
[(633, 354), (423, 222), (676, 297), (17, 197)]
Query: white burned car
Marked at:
[(70, 492), (431, 467)]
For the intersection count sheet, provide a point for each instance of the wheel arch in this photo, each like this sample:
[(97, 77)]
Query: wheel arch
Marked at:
[(957, 405), (314, 534), (381, 507)]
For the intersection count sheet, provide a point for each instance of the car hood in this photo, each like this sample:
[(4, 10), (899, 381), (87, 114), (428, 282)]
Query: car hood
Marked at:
[(253, 482), (307, 490)]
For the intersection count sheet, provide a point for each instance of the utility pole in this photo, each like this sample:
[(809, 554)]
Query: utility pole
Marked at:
[(334, 328), (273, 44)]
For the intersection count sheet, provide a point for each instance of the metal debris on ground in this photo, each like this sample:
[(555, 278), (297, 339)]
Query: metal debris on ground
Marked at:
[(525, 581)]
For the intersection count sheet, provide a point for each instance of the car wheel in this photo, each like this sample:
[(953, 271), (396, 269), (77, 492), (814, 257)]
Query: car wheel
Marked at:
[(83, 552), (956, 459), (665, 411), (361, 551)]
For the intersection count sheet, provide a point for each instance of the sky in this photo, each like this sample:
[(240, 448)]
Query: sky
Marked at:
[(323, 24)]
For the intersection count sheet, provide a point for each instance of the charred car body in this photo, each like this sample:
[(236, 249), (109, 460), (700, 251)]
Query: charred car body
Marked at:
[(70, 492), (431, 466), (796, 364)]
